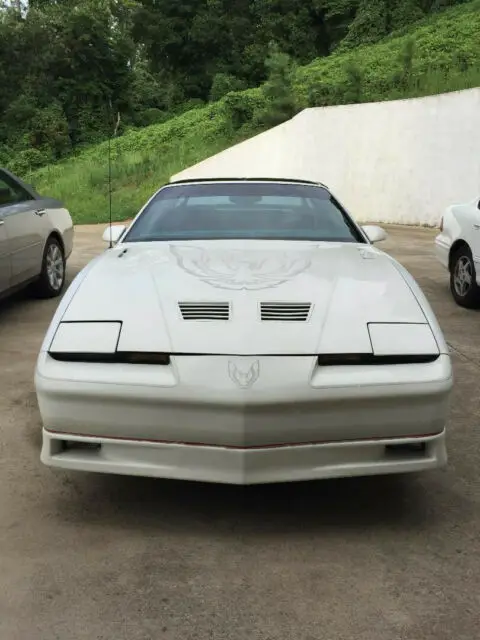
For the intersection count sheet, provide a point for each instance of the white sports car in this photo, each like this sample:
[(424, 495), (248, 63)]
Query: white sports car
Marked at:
[(244, 331), (458, 249)]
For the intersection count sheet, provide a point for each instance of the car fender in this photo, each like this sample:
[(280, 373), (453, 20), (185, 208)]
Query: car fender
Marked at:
[(65, 303), (425, 306)]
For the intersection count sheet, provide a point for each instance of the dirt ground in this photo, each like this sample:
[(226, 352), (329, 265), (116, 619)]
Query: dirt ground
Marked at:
[(96, 557)]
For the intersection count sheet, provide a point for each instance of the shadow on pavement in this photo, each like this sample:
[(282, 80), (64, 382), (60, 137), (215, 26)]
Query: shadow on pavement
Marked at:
[(302, 507)]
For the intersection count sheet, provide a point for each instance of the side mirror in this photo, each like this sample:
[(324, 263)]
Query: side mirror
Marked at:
[(113, 233), (374, 233)]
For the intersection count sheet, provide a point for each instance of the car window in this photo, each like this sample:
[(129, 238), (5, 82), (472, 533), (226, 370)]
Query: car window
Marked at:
[(11, 192), (223, 210)]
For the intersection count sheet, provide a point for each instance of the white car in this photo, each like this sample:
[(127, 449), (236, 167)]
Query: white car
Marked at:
[(458, 249), (244, 331), (36, 239)]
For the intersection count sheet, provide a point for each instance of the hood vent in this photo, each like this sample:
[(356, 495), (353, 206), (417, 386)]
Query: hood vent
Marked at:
[(285, 311), (205, 310)]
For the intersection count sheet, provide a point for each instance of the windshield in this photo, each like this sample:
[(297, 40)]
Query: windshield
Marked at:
[(256, 211)]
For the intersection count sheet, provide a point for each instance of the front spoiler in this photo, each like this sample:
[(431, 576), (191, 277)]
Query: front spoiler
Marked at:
[(241, 466)]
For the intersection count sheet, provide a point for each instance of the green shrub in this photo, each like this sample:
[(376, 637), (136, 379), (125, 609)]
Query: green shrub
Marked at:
[(224, 83), (240, 108), (25, 161), (151, 116), (354, 83)]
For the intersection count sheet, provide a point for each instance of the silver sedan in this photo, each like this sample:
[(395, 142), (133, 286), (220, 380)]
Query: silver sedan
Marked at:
[(36, 239)]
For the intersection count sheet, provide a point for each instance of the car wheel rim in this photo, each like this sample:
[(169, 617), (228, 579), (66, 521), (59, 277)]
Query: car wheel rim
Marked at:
[(463, 276), (55, 267)]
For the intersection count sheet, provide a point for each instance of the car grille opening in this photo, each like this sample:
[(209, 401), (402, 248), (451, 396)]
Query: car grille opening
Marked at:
[(285, 311), (407, 450), (77, 445), (205, 310)]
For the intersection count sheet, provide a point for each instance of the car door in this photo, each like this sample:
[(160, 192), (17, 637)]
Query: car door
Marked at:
[(25, 225), (4, 255)]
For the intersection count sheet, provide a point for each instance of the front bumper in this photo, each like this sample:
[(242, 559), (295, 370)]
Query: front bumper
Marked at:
[(287, 420), (242, 466)]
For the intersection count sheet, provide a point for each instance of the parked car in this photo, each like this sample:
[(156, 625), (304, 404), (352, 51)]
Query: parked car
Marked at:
[(244, 331), (458, 249), (36, 239)]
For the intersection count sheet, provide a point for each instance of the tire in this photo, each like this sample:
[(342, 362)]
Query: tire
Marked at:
[(52, 277), (463, 283)]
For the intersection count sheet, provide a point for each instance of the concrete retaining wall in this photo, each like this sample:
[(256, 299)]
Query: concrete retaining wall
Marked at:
[(398, 162)]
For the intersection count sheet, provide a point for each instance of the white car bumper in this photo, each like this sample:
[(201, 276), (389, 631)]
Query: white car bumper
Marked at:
[(336, 421), (242, 466)]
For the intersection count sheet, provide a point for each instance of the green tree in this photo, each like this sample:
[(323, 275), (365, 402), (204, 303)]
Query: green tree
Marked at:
[(278, 91), (64, 62)]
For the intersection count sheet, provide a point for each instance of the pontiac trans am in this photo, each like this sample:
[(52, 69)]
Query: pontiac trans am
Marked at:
[(244, 331)]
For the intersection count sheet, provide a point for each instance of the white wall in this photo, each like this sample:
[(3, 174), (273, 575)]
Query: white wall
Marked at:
[(399, 162)]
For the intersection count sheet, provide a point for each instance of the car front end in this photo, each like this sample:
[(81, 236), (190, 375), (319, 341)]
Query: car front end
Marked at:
[(244, 420), (243, 363)]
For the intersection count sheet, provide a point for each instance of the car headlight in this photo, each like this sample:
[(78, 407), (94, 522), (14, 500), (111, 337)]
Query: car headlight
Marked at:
[(392, 343), (402, 339), (97, 342), (86, 337)]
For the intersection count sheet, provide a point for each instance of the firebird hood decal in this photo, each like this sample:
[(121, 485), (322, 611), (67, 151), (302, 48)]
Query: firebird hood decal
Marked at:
[(240, 270)]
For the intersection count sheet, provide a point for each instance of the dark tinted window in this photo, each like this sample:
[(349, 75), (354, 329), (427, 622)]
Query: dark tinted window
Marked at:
[(255, 210), (11, 192)]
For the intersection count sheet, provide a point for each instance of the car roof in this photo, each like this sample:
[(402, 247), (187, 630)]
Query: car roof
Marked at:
[(244, 179)]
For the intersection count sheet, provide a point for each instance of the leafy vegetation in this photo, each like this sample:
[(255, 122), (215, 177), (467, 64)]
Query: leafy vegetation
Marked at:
[(196, 104), (67, 67)]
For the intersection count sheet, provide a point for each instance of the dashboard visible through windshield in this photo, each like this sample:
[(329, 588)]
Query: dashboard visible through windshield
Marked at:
[(243, 210)]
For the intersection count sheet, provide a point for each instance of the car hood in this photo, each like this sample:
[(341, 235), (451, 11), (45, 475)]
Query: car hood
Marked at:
[(344, 287)]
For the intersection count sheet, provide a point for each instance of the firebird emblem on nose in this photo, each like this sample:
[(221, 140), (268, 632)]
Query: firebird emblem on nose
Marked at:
[(243, 378)]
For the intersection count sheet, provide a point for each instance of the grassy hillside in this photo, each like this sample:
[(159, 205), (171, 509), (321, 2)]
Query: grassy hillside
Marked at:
[(446, 57)]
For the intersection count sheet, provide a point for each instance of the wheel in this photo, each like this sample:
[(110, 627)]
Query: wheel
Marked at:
[(463, 283), (52, 277)]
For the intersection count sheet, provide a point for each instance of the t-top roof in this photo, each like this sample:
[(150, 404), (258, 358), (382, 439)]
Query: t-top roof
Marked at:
[(256, 179)]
